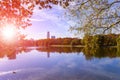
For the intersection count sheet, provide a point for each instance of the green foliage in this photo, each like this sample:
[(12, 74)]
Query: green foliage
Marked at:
[(118, 45), (100, 41), (118, 42), (91, 41), (100, 53)]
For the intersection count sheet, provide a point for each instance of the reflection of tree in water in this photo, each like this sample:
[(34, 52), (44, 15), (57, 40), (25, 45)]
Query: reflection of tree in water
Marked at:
[(12, 52), (118, 51), (100, 53), (89, 53), (60, 49)]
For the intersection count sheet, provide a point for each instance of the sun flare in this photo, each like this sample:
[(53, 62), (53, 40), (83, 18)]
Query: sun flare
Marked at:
[(8, 33)]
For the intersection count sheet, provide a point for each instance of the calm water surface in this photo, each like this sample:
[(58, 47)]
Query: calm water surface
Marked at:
[(59, 64)]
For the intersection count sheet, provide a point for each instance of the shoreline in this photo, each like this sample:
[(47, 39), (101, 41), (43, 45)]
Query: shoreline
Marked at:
[(79, 46), (67, 46)]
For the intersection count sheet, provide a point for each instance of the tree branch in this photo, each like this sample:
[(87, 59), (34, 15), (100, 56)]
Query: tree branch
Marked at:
[(111, 26), (106, 18), (107, 7), (83, 3)]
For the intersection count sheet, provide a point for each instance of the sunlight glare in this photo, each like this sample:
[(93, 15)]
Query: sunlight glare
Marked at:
[(9, 32)]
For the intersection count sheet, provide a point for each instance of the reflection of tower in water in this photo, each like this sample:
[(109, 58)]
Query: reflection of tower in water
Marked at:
[(48, 54)]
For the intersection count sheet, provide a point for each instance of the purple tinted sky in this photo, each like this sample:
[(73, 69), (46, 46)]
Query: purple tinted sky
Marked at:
[(52, 20)]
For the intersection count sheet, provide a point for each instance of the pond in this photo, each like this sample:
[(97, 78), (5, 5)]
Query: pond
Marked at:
[(59, 64)]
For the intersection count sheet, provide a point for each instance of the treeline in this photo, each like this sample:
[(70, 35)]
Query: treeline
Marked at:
[(87, 41), (58, 41)]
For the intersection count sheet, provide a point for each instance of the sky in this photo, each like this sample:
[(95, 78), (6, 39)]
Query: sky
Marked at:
[(52, 20)]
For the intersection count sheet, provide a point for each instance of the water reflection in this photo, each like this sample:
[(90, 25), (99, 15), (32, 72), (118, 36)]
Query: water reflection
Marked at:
[(101, 53), (11, 53), (88, 53), (59, 64)]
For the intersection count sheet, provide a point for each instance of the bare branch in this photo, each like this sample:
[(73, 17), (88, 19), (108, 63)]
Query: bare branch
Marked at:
[(111, 26), (107, 7), (106, 18)]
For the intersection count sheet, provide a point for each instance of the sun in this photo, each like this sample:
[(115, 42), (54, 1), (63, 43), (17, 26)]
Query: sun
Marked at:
[(8, 32)]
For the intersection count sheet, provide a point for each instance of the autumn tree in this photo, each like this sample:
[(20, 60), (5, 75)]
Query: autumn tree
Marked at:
[(16, 12)]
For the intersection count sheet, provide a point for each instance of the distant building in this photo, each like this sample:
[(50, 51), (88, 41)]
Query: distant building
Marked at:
[(48, 35), (52, 37)]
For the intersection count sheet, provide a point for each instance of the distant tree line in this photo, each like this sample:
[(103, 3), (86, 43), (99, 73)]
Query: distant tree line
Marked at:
[(58, 41)]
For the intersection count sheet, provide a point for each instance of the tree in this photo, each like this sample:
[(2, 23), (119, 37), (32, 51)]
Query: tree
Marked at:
[(95, 16)]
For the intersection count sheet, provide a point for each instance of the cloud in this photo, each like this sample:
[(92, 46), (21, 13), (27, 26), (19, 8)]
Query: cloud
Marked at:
[(53, 14), (44, 20)]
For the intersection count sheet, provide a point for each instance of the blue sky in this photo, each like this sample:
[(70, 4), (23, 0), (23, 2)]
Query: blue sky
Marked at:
[(52, 20)]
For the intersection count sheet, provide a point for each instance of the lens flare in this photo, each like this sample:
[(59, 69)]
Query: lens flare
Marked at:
[(8, 33)]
